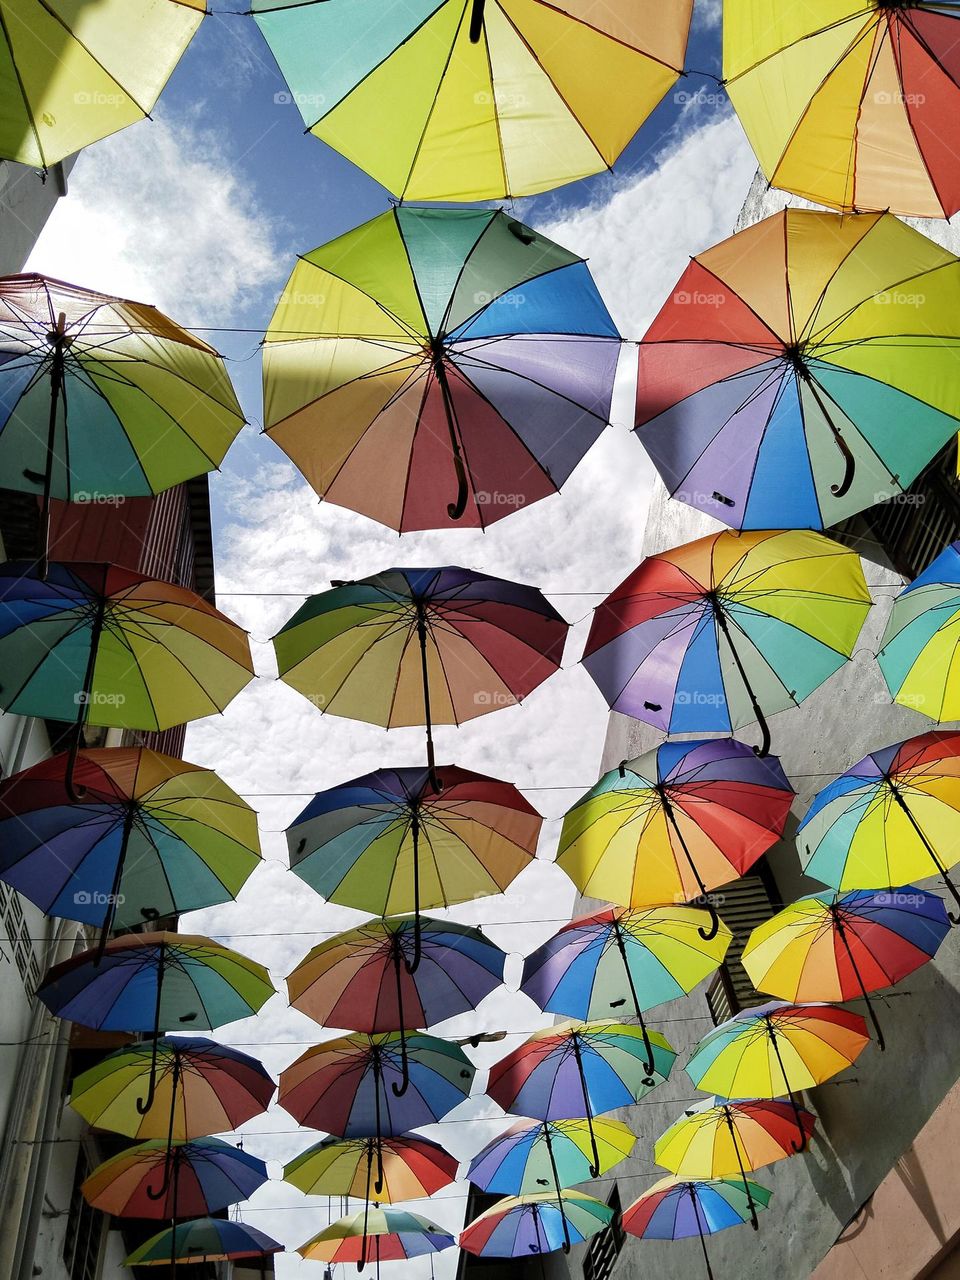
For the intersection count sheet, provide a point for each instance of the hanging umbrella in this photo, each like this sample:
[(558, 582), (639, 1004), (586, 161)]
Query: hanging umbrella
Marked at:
[(463, 100), (155, 982), (841, 946), (102, 397), (918, 650), (770, 381), (421, 646), (536, 1224), (203, 1240), (438, 368), (359, 844), (376, 1235), (346, 1086), (413, 1168), (890, 818), (776, 1049), (151, 836), (673, 824), (201, 1088), (74, 74), (579, 1070), (720, 1139), (851, 105), (93, 644), (727, 629), (616, 960), (674, 1209), (207, 1175)]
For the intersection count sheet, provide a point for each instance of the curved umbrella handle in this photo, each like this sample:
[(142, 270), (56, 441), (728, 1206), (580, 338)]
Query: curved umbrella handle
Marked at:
[(556, 1183), (456, 509), (476, 21), (843, 488), (164, 1187), (399, 1090), (710, 931), (144, 1104), (754, 1221), (763, 750), (793, 1102)]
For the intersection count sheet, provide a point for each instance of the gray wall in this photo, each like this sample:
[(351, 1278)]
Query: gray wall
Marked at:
[(26, 202)]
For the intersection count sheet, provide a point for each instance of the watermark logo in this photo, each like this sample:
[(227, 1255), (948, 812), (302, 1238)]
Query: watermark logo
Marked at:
[(502, 99), (295, 298), (699, 98), (96, 98), (697, 698), (900, 298), (498, 499), (85, 898), (86, 498), (97, 699), (697, 298), (286, 97), (495, 698), (884, 98), (512, 299), (900, 499)]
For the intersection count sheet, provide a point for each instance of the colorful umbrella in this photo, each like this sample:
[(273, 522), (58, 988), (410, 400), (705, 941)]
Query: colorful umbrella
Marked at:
[(464, 100), (395, 1234), (853, 105), (152, 836), (201, 1088), (599, 963), (438, 368), (155, 982), (772, 378), (351, 1087), (413, 1168), (720, 1139), (102, 397), (833, 946), (74, 74), (536, 1224), (183, 1180), (421, 646), (889, 819), (776, 1049), (674, 1209), (918, 651), (579, 1070), (727, 629), (93, 644), (359, 844), (203, 1240), (673, 824)]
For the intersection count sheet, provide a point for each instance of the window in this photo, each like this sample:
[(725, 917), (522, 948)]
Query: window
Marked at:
[(742, 905), (19, 943), (605, 1246), (83, 1239)]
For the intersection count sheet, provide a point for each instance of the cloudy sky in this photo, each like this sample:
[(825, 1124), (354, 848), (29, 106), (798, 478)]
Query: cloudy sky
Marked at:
[(201, 212)]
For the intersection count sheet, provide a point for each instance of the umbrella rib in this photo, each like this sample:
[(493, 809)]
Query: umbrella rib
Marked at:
[(72, 35), (21, 87)]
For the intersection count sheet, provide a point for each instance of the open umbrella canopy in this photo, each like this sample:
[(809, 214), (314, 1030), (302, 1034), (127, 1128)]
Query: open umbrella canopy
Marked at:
[(413, 1168), (72, 74), (438, 368), (717, 1138), (918, 652), (534, 1155), (201, 1088), (851, 104), (362, 979), (151, 836), (203, 1240), (673, 824), (468, 100), (727, 630), (180, 1180), (803, 370), (377, 1235), (534, 1224), (102, 397), (889, 819)]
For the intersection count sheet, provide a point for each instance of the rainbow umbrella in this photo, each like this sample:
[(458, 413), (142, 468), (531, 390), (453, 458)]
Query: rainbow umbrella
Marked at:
[(467, 100), (918, 650), (203, 1240), (438, 368), (535, 1224), (853, 105), (359, 844), (207, 1175), (673, 824), (719, 1139), (891, 818), (675, 1209), (841, 946), (74, 74), (200, 1088), (579, 1070), (599, 963), (771, 380), (94, 644), (727, 629), (414, 1168), (151, 836), (395, 1235), (101, 397), (421, 646), (776, 1049)]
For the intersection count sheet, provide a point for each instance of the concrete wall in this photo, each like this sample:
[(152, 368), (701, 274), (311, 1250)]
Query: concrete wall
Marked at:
[(26, 201)]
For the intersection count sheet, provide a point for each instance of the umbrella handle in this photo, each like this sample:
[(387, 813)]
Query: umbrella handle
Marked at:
[(850, 463), (377, 1082), (456, 509), (754, 1222), (362, 1260), (435, 784), (413, 965), (595, 1163), (476, 21), (144, 1104), (711, 930), (764, 748), (399, 1090), (111, 911), (76, 793), (881, 1043), (556, 1183), (58, 340), (649, 1065), (793, 1102), (703, 1243), (922, 836), (164, 1187)]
